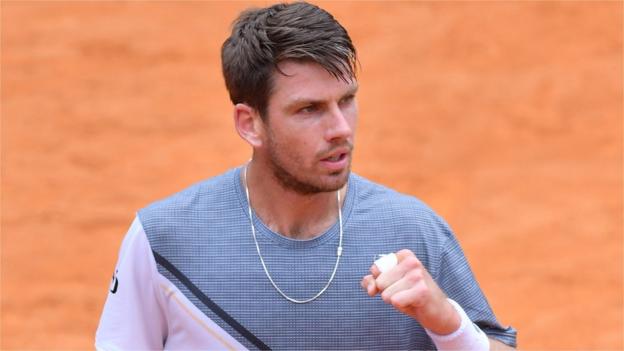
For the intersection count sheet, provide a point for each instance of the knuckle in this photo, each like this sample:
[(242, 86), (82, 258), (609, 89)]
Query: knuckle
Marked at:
[(414, 276), (398, 303), (374, 271), (381, 285), (386, 297), (412, 262), (405, 253)]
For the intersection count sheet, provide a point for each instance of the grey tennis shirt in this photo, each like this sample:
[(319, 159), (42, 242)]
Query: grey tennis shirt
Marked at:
[(202, 243)]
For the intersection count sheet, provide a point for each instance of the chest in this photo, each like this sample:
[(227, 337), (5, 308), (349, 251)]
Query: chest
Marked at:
[(343, 317)]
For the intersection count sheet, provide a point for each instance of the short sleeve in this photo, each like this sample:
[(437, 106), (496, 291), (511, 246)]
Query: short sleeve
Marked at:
[(132, 318), (458, 281)]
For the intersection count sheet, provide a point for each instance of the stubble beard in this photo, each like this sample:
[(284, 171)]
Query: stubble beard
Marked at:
[(290, 181)]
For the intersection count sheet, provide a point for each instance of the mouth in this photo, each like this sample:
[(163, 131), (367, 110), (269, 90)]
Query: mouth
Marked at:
[(336, 158), (337, 161)]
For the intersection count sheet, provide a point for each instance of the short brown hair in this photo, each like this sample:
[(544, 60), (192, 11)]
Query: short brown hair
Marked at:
[(262, 38)]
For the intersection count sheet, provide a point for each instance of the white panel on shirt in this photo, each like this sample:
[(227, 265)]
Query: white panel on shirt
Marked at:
[(148, 312)]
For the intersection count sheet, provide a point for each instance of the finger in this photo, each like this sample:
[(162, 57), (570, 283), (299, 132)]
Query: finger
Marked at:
[(410, 280), (403, 254), (366, 281), (406, 264), (386, 262), (375, 271), (368, 284), (412, 297)]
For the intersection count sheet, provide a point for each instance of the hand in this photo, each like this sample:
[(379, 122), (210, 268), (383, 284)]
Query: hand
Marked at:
[(411, 290)]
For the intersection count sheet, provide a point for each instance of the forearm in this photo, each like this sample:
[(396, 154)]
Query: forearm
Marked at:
[(496, 345)]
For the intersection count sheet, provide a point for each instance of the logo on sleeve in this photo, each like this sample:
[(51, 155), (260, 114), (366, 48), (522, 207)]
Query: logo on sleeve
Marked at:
[(114, 283)]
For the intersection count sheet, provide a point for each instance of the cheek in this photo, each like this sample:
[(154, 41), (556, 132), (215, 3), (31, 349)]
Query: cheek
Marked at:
[(298, 136), (288, 144), (302, 143), (352, 116)]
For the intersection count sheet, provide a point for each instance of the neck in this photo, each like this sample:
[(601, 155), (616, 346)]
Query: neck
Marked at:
[(287, 212)]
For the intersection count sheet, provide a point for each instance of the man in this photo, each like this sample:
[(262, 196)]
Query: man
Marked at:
[(278, 253)]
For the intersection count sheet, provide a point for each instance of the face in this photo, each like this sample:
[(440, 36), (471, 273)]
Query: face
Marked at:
[(309, 128)]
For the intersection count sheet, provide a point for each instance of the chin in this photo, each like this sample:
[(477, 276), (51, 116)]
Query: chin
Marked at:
[(337, 181), (305, 183)]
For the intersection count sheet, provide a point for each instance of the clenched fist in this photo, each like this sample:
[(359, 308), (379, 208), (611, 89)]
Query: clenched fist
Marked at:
[(411, 290)]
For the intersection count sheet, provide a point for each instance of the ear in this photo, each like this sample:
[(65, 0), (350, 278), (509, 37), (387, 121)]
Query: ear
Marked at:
[(248, 124)]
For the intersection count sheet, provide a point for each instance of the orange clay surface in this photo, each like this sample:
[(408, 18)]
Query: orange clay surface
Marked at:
[(505, 117)]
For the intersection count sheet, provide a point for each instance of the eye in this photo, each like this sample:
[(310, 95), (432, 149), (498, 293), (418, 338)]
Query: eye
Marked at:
[(309, 109), (347, 99)]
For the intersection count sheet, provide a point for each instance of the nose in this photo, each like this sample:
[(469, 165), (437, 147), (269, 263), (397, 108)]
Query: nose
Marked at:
[(339, 125)]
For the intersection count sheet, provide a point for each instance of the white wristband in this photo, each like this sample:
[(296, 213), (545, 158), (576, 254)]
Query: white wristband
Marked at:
[(468, 337)]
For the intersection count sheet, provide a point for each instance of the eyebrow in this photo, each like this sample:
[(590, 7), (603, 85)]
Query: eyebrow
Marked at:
[(303, 101)]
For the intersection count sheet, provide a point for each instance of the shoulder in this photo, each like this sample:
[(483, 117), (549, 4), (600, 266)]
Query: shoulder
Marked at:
[(204, 193), (374, 197), (398, 220), (185, 212), (403, 221)]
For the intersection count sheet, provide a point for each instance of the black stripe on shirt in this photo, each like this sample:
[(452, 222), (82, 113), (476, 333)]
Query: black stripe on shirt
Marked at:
[(209, 303)]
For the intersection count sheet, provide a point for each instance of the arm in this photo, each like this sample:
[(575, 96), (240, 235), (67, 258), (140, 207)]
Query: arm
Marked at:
[(496, 345), (132, 317), (410, 289)]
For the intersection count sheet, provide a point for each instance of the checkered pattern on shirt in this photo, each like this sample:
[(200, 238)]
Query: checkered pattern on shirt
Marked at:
[(205, 232)]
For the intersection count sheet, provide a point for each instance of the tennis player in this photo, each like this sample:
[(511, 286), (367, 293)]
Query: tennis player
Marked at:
[(291, 250)]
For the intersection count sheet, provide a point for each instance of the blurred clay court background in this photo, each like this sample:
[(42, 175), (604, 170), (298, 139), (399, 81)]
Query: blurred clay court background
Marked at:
[(505, 117)]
